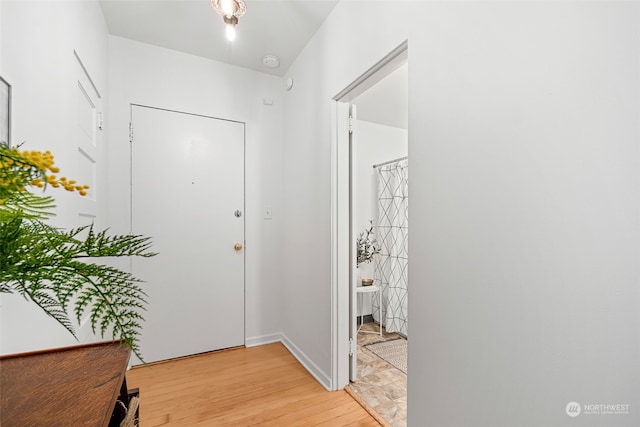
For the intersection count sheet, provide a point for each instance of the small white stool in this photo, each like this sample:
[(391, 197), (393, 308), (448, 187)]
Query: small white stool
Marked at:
[(360, 290)]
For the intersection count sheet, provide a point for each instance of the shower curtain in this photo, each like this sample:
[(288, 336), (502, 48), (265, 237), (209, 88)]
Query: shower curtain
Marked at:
[(392, 232)]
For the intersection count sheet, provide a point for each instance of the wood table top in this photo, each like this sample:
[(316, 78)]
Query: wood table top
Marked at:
[(70, 386)]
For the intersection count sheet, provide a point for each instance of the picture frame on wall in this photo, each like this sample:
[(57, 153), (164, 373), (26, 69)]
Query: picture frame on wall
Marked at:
[(5, 112)]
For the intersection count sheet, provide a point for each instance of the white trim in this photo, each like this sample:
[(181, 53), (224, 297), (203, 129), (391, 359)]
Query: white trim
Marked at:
[(311, 367), (93, 85), (340, 244), (335, 328), (351, 299), (387, 65), (262, 340)]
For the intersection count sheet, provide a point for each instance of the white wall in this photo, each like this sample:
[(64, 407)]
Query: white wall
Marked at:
[(37, 56), (524, 233), (158, 77), (374, 144)]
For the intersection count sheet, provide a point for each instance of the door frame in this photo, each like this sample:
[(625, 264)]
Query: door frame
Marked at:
[(342, 234)]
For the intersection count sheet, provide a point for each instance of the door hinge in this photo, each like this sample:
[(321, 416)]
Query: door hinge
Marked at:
[(130, 131), (353, 347), (350, 124), (100, 121)]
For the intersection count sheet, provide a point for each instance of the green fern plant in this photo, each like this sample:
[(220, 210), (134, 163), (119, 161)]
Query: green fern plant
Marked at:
[(52, 267)]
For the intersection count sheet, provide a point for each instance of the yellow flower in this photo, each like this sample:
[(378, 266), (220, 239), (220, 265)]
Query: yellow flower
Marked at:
[(39, 170)]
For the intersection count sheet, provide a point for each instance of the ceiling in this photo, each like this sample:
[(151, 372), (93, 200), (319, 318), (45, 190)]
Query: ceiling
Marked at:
[(275, 27)]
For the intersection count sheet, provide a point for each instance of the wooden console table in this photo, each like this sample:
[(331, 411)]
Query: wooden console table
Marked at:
[(71, 386)]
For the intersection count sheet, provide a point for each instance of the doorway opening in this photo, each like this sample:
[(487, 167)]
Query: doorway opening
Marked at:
[(370, 235)]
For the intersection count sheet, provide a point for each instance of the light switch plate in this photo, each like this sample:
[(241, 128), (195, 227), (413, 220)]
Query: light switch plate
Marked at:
[(268, 212)]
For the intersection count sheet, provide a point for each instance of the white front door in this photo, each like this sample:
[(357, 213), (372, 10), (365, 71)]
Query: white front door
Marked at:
[(188, 195)]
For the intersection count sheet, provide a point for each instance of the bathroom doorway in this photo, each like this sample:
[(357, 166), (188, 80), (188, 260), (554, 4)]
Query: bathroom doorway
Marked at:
[(379, 200), (375, 243)]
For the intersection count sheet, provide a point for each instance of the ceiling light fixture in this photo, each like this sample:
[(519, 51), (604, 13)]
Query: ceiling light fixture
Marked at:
[(230, 10)]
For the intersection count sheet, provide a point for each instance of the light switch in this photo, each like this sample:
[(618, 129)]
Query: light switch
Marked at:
[(268, 212)]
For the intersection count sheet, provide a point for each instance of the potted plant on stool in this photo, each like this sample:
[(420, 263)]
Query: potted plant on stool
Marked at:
[(367, 248)]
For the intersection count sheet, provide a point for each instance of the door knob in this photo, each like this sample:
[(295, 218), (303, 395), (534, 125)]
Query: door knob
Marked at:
[(238, 246)]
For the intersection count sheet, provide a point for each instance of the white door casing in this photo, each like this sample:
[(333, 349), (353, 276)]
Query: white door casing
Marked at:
[(341, 250), (187, 184), (87, 137), (353, 283)]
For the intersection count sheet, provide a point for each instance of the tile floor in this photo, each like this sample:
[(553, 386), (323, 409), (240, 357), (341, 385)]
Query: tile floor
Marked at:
[(381, 385)]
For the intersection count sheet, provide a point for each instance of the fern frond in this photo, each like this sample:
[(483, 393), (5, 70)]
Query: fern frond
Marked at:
[(52, 307), (49, 267), (52, 267), (27, 205), (102, 245)]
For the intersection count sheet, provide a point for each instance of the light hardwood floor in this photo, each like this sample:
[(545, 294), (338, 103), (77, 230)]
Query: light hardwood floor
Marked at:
[(263, 386)]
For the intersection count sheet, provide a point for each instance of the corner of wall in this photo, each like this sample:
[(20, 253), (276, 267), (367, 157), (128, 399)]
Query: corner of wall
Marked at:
[(305, 361), (308, 364), (262, 340)]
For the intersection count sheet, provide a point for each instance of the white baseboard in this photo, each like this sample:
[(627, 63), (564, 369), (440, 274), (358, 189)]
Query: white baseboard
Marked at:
[(262, 340), (311, 367)]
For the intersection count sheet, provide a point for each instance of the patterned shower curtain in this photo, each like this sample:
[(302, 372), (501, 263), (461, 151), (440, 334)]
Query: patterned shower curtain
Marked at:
[(392, 232)]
